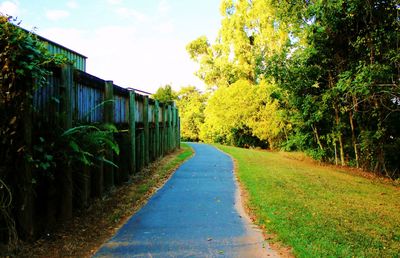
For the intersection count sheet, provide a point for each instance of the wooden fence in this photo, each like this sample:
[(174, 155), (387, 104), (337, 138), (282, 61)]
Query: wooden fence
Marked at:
[(87, 99), (147, 130)]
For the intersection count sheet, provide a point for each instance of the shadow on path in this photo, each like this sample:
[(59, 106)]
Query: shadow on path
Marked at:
[(192, 215)]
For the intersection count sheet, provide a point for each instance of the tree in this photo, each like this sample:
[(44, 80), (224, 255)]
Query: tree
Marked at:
[(165, 94), (249, 34), (335, 65), (191, 104), (244, 114)]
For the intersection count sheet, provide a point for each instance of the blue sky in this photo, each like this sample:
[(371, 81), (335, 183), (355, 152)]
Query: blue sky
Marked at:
[(135, 43)]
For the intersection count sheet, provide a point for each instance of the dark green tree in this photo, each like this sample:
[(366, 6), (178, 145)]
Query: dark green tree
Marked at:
[(165, 94)]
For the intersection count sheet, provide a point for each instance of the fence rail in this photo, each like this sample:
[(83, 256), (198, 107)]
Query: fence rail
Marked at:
[(147, 129), (88, 96)]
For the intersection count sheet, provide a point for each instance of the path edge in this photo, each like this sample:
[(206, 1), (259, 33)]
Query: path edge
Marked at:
[(248, 216), (143, 202)]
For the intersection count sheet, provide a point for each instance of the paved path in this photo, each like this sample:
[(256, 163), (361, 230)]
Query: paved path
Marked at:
[(193, 215)]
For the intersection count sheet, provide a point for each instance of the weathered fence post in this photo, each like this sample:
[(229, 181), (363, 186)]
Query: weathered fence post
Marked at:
[(132, 131), (178, 129), (173, 129), (97, 180), (142, 150), (157, 129), (169, 132), (165, 135), (146, 129), (66, 177), (109, 118), (152, 132), (25, 208), (84, 185)]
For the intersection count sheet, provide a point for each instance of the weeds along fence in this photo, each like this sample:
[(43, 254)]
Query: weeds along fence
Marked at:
[(147, 130)]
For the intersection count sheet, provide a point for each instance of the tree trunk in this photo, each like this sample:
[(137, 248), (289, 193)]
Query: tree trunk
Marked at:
[(317, 137), (340, 138), (353, 138), (336, 157)]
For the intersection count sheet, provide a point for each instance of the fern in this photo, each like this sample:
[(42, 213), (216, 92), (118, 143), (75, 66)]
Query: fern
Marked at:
[(89, 143)]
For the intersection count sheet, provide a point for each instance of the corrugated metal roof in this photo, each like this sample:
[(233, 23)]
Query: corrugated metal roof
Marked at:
[(60, 46), (53, 43), (55, 48)]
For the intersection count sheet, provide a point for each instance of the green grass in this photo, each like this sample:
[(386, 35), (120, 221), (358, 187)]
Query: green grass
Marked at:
[(187, 151), (320, 211)]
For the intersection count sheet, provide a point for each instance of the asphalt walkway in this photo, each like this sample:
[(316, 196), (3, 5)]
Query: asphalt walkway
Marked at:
[(197, 213)]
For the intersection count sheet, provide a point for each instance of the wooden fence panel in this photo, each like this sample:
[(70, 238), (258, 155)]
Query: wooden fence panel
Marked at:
[(147, 130), (47, 99), (89, 107), (139, 110)]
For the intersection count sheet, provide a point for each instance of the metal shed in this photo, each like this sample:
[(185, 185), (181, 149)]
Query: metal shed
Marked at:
[(78, 59), (55, 48)]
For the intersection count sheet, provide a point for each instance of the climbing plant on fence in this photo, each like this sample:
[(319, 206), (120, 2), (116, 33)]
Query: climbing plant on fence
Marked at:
[(26, 159), (24, 66)]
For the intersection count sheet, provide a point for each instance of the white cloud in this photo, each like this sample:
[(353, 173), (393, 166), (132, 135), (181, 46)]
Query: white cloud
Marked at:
[(131, 13), (163, 7), (70, 38), (9, 8), (120, 54), (55, 15), (72, 4)]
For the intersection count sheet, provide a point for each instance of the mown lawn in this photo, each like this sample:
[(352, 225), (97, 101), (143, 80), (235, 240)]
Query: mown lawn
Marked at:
[(320, 211)]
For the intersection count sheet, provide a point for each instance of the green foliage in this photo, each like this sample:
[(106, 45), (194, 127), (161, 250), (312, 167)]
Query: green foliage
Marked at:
[(89, 144), (243, 111), (165, 94), (316, 210), (31, 154), (24, 66), (332, 70), (215, 68), (191, 104)]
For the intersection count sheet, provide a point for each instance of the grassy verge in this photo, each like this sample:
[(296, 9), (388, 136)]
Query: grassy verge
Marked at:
[(320, 211), (82, 236)]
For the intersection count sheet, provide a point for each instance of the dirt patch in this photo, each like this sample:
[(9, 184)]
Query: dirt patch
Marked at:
[(87, 231)]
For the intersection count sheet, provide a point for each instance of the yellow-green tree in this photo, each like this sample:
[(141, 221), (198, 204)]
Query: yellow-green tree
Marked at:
[(191, 104), (245, 114), (249, 34)]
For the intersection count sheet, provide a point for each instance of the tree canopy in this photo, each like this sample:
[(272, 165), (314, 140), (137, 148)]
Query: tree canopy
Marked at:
[(165, 94), (317, 76), (191, 104)]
